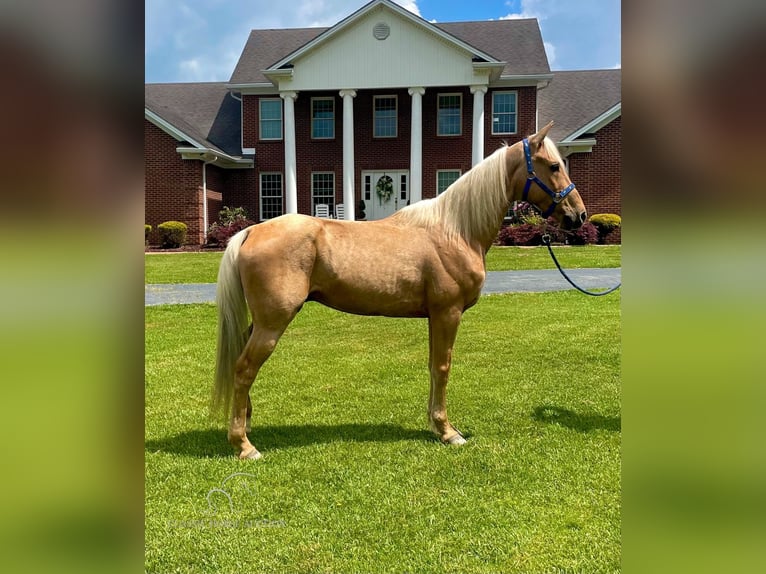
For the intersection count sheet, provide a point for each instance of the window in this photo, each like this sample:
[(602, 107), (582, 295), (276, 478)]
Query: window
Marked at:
[(384, 116), (445, 178), (271, 119), (448, 115), (504, 112), (271, 195), (322, 190), (322, 118)]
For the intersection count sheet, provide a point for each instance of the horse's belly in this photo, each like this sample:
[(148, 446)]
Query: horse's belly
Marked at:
[(392, 296)]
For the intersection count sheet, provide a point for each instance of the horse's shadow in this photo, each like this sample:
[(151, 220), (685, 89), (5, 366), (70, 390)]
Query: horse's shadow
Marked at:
[(575, 421), (211, 442)]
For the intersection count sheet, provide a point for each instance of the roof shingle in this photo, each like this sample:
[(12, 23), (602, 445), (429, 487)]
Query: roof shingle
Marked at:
[(574, 98), (204, 111)]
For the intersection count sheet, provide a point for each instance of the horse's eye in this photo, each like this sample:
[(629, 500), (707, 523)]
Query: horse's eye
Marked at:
[(554, 167)]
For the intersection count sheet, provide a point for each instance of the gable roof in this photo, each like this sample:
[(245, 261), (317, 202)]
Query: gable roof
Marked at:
[(517, 43), (578, 101), (204, 114)]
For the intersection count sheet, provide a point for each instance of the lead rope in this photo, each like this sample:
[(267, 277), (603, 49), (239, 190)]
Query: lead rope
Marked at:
[(547, 241)]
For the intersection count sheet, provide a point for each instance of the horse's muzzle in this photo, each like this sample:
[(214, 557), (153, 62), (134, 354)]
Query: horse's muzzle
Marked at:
[(574, 221)]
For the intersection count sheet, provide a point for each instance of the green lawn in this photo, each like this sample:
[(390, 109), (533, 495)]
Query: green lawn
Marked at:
[(203, 267), (351, 481)]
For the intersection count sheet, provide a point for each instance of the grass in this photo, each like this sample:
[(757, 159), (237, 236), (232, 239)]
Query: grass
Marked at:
[(203, 267), (571, 257), (352, 482)]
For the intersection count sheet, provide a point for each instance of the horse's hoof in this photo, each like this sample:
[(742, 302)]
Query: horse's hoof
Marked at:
[(252, 455), (455, 439)]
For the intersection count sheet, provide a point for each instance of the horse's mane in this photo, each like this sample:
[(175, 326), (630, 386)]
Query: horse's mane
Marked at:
[(474, 205), (470, 206)]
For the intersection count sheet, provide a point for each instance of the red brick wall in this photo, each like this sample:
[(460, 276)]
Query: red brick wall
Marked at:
[(597, 174), (439, 152), (173, 186)]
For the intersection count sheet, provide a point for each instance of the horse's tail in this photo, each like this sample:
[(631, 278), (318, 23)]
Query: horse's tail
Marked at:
[(233, 323)]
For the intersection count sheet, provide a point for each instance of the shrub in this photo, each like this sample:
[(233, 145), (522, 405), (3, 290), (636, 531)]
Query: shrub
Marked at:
[(147, 231), (230, 214), (605, 223), (230, 221), (525, 234), (523, 212), (585, 235), (172, 234)]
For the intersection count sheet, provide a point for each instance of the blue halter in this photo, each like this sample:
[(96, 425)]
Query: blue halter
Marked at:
[(557, 197)]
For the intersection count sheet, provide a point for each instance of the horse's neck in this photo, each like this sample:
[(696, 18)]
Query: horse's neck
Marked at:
[(484, 204)]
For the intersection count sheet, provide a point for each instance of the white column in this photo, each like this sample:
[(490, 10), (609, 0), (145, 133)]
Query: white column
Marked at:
[(348, 152), (478, 124), (416, 145), (291, 185)]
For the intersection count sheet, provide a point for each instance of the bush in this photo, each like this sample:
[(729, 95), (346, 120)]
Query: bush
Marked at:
[(229, 215), (172, 234), (525, 234), (230, 221), (585, 235), (147, 231), (605, 223)]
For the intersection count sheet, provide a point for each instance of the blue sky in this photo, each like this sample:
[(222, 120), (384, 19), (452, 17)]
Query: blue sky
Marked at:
[(201, 40)]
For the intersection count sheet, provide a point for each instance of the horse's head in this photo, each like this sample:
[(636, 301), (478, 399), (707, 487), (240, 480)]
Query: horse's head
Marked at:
[(546, 183)]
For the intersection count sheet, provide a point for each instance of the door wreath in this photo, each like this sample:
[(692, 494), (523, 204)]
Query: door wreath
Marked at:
[(385, 189)]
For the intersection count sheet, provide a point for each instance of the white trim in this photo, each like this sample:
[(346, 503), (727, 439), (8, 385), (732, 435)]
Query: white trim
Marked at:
[(170, 129), (519, 80), (254, 88), (206, 153), (492, 113), (580, 146), (595, 124), (198, 151)]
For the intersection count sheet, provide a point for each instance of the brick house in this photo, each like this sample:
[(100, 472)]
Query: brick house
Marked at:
[(380, 110)]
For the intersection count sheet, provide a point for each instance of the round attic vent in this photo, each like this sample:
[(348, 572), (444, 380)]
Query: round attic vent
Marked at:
[(381, 31)]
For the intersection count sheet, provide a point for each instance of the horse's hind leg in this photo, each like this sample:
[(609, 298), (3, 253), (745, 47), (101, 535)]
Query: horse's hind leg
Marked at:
[(258, 349)]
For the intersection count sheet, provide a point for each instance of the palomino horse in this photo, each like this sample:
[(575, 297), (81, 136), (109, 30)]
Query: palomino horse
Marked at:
[(426, 260)]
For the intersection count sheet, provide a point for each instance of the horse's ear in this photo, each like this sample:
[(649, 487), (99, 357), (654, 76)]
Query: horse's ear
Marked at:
[(538, 138)]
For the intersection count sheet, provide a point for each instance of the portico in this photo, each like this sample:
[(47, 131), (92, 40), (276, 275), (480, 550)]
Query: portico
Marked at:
[(364, 52)]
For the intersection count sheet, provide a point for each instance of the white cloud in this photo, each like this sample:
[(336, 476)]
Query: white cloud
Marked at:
[(410, 5), (550, 51)]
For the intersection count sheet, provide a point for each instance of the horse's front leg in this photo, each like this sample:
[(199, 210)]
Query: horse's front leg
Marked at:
[(442, 330)]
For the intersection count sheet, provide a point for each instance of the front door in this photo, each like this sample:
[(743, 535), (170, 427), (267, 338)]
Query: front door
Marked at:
[(384, 192)]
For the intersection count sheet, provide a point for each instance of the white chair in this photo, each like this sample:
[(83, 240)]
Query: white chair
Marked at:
[(322, 210), (340, 211)]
